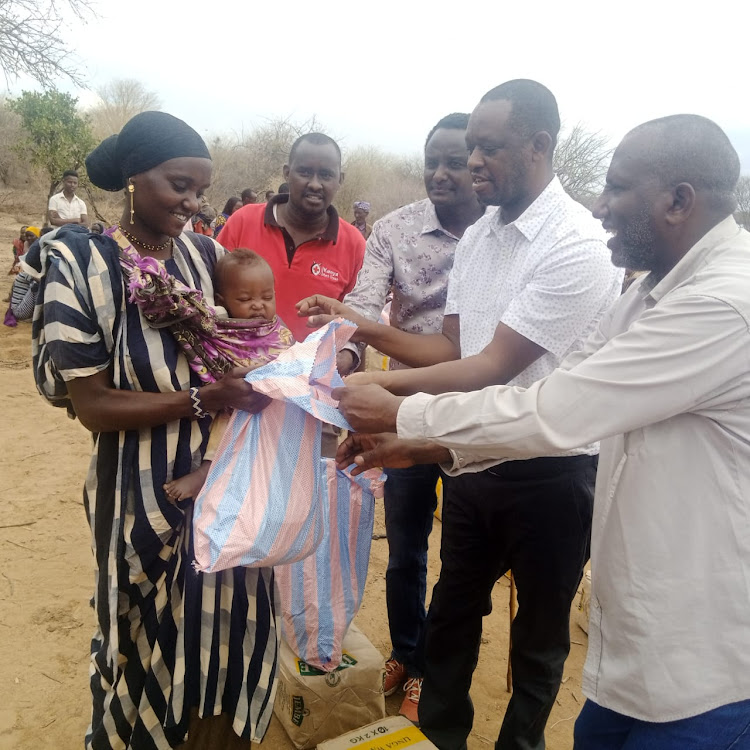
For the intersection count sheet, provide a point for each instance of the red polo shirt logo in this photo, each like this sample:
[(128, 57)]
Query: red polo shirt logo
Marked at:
[(318, 269)]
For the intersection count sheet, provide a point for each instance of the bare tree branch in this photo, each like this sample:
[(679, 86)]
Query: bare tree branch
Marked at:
[(121, 99), (581, 161), (32, 40), (742, 194), (255, 159)]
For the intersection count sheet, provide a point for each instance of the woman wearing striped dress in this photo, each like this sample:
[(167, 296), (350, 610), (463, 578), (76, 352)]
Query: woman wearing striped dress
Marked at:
[(171, 644)]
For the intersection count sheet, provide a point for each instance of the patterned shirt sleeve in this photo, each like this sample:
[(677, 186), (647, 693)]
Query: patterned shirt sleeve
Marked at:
[(375, 278)]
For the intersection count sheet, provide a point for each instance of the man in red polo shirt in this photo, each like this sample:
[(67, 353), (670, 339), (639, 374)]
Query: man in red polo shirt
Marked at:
[(310, 249)]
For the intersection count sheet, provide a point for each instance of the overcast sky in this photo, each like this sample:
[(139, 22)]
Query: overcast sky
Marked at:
[(382, 73)]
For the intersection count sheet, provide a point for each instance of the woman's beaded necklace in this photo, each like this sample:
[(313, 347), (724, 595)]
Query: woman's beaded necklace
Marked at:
[(145, 245)]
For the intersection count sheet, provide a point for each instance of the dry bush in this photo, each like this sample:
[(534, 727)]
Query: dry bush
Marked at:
[(28, 205), (12, 168), (385, 180), (254, 159), (119, 100), (23, 187), (103, 206), (742, 194)]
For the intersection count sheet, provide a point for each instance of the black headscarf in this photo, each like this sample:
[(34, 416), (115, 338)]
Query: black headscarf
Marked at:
[(147, 140)]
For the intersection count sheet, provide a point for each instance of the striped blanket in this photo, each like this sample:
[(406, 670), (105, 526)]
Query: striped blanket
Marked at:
[(262, 503), (321, 594)]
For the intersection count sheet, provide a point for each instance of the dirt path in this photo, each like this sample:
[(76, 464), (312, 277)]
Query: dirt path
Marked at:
[(46, 580)]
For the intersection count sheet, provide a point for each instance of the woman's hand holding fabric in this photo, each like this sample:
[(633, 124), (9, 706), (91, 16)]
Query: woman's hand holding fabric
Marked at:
[(233, 392)]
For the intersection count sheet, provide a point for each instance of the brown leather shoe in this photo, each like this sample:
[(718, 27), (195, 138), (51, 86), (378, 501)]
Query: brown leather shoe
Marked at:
[(395, 676), (410, 705)]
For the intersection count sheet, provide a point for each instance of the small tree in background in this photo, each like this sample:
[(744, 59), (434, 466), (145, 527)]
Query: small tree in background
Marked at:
[(581, 161), (121, 99), (55, 136), (32, 39), (742, 193), (12, 166)]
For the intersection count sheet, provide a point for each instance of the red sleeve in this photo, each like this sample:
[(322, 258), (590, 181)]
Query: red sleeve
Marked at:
[(358, 251), (228, 237)]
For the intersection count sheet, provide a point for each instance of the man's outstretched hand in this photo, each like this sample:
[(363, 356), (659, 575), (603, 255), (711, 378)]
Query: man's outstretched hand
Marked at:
[(319, 310), (368, 408), (387, 451)]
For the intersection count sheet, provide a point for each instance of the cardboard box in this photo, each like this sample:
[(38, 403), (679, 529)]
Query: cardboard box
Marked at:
[(314, 706), (392, 733)]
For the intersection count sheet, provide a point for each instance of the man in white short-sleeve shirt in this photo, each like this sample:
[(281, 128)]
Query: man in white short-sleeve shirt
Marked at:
[(66, 207), (529, 283)]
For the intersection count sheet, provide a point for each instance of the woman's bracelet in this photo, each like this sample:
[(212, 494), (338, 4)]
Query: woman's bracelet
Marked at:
[(195, 399)]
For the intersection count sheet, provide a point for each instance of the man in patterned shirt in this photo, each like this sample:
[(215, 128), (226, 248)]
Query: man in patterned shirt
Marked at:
[(529, 283), (411, 250)]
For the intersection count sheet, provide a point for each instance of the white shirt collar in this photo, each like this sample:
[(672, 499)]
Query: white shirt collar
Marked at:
[(698, 255), (530, 222)]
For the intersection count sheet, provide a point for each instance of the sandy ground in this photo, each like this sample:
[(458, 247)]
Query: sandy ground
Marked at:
[(46, 579)]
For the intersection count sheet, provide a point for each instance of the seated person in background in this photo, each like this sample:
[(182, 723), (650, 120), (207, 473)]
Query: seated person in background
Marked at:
[(29, 236), (245, 290), (22, 297), (17, 249)]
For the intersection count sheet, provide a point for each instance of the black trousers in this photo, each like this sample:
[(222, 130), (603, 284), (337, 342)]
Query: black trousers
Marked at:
[(533, 517)]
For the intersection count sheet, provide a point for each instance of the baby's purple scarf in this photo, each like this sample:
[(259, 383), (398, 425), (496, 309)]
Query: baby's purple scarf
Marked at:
[(213, 346)]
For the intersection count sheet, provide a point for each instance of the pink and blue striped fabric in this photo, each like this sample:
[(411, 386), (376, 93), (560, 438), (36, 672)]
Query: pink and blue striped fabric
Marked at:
[(321, 594), (261, 504)]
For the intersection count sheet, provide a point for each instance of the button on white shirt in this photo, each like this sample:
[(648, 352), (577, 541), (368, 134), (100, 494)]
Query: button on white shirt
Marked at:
[(68, 210), (548, 275), (665, 384)]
